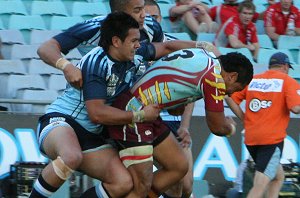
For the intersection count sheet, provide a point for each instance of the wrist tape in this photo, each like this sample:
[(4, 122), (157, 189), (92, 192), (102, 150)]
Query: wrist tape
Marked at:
[(61, 63), (205, 45), (232, 130), (138, 116)]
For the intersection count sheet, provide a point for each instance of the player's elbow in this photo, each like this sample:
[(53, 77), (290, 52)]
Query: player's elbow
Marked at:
[(219, 130), (296, 109)]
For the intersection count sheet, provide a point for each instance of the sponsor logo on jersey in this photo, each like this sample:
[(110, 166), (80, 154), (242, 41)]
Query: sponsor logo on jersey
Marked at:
[(56, 119), (266, 85), (255, 104), (148, 132)]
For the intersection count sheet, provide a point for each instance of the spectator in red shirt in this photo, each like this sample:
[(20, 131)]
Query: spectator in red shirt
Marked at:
[(239, 31), (282, 18), (193, 15), (223, 12)]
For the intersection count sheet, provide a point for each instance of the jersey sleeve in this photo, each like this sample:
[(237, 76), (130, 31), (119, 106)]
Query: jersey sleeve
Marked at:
[(146, 52), (238, 97), (213, 89), (78, 33), (292, 92), (297, 20), (94, 69)]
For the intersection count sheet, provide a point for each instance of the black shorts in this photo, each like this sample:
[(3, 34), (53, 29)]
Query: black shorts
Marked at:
[(86, 139), (266, 158)]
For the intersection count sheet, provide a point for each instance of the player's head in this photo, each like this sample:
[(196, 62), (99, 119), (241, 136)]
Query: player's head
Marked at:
[(237, 71), (152, 8), (120, 31), (133, 7)]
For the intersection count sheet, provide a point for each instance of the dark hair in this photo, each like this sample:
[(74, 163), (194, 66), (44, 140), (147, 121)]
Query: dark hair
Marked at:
[(237, 62), (116, 24), (152, 3), (117, 5), (246, 4)]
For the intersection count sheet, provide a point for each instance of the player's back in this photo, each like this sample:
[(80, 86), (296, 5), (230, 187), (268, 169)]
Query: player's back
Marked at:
[(175, 78)]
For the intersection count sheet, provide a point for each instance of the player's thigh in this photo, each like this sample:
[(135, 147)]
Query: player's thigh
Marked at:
[(168, 153), (104, 164)]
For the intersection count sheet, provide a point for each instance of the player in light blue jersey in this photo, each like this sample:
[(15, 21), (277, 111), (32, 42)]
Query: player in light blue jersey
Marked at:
[(86, 35), (71, 132), (172, 82)]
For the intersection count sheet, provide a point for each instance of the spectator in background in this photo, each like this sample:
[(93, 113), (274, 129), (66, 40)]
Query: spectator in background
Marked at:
[(179, 125), (193, 15), (270, 97), (282, 18), (223, 12), (239, 31)]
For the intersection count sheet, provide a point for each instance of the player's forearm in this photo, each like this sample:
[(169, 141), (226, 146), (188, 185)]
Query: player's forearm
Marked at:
[(49, 52), (187, 115), (235, 108)]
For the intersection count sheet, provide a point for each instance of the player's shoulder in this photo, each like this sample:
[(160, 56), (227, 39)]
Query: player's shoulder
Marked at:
[(150, 24)]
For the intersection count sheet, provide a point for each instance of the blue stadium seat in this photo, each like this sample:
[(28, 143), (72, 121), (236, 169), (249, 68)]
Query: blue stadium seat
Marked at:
[(26, 24), (46, 9), (265, 41), (57, 83), (11, 83), (260, 27), (35, 95), (165, 23), (166, 1), (39, 67), (12, 37), (89, 10), (295, 73), (264, 55), (243, 51), (12, 67), (210, 37), (63, 23), (9, 8), (292, 43), (1, 25), (40, 36)]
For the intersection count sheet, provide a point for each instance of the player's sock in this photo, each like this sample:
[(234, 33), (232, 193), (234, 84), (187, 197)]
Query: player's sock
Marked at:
[(41, 189)]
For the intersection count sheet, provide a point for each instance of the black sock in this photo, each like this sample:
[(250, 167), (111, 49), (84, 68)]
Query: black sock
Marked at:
[(41, 189)]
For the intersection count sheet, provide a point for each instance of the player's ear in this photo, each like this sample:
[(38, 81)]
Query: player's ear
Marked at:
[(233, 76), (116, 41)]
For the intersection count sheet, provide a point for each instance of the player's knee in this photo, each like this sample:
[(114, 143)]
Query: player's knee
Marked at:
[(182, 168), (72, 159), (187, 188), (61, 169)]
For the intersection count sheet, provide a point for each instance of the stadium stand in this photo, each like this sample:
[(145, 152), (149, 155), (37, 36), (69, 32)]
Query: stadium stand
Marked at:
[(35, 95), (244, 51), (41, 68), (12, 37), (265, 41), (63, 23), (9, 84), (89, 10), (47, 9), (264, 55), (24, 53), (210, 37), (57, 83), (12, 67), (26, 24), (165, 22), (292, 43), (40, 36), (260, 27), (9, 8), (181, 36)]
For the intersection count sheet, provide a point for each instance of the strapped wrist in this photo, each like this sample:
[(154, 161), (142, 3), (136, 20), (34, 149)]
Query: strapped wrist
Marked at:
[(232, 130), (205, 45), (138, 116), (61, 63)]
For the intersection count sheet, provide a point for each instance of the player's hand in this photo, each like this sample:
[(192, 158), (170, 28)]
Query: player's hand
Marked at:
[(184, 137), (232, 125), (251, 47), (151, 112), (73, 75)]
